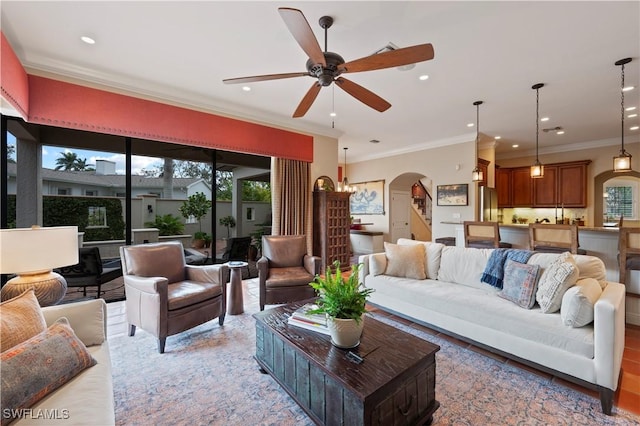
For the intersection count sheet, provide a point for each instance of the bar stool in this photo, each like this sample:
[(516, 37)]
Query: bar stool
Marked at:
[(483, 235), (550, 238), (628, 252)]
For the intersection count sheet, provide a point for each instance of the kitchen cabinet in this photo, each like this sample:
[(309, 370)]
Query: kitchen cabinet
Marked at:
[(521, 186), (562, 184)]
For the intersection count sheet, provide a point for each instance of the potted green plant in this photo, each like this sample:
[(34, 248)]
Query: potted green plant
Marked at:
[(343, 300), (199, 239), (229, 222), (207, 240), (197, 206)]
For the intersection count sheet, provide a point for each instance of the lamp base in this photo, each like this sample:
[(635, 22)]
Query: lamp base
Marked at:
[(50, 287)]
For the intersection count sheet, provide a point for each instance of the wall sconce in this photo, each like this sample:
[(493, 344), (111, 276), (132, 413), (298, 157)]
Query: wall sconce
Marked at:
[(149, 208), (31, 254)]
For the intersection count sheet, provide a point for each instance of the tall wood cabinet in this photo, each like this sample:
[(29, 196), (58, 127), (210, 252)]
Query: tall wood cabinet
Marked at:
[(331, 228)]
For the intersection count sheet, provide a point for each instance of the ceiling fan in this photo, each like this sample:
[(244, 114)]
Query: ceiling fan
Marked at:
[(327, 67)]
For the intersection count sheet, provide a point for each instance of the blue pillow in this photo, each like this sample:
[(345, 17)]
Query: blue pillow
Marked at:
[(520, 283)]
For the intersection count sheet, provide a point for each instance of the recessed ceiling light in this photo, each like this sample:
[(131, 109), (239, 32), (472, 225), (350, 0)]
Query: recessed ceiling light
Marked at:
[(634, 128), (88, 40), (424, 77), (515, 145), (497, 137), (628, 88), (470, 125), (632, 115), (544, 119), (630, 109), (374, 141), (246, 88), (560, 132), (332, 114)]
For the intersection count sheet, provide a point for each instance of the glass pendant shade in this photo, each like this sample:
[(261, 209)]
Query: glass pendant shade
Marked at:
[(477, 175), (537, 170), (622, 162)]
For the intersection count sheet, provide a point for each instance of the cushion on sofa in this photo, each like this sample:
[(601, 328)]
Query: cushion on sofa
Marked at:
[(589, 266), (578, 302), (464, 266), (555, 280), (405, 261), (377, 263), (20, 319), (519, 283), (434, 254), (36, 367)]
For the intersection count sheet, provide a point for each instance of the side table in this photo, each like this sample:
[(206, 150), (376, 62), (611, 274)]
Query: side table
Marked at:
[(236, 302)]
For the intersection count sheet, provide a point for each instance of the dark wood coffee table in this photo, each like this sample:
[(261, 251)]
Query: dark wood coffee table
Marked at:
[(394, 385)]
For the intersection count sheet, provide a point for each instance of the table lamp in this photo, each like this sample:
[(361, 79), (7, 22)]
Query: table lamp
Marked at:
[(31, 254)]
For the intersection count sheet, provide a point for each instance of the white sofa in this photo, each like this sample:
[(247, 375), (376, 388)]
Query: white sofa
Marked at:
[(87, 399), (453, 300)]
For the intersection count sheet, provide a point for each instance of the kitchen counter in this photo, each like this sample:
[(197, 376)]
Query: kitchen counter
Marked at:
[(580, 228)]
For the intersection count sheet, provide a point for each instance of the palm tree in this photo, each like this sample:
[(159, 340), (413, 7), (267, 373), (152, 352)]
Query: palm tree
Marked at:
[(67, 161), (82, 166)]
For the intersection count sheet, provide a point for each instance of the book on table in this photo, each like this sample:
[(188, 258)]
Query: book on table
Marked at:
[(314, 322)]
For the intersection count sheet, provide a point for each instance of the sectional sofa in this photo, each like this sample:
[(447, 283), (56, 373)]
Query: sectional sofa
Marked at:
[(447, 294)]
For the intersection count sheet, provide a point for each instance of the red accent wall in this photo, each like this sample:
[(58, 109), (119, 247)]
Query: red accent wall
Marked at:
[(62, 104), (55, 103), (13, 79)]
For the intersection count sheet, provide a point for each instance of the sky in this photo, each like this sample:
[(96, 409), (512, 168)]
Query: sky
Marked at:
[(51, 153)]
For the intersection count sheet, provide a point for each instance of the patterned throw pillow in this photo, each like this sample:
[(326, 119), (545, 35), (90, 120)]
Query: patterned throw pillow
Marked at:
[(405, 261), (38, 366), (555, 280), (519, 283), (20, 319)]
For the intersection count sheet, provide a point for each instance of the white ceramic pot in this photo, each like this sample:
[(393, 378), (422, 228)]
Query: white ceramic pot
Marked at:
[(345, 333)]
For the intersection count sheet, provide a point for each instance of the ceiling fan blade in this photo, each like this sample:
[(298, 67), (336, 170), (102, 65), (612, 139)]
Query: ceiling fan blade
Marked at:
[(263, 77), (392, 58), (301, 31), (308, 99), (363, 95)]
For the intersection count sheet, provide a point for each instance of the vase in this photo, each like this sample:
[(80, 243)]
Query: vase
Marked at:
[(345, 333)]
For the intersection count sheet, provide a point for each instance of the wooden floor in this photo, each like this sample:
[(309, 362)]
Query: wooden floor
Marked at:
[(627, 397)]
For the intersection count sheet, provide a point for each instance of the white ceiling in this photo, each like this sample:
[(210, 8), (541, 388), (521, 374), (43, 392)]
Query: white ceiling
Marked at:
[(492, 51)]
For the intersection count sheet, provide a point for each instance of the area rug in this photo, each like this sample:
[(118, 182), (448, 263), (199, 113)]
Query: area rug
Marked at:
[(208, 376)]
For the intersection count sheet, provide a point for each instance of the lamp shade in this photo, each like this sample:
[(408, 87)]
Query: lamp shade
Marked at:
[(25, 250)]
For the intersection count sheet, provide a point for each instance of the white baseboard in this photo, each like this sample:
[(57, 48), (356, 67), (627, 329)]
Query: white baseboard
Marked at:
[(633, 318)]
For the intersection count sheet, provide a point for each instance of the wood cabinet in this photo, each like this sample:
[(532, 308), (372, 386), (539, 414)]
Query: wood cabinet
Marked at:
[(503, 187), (521, 186), (331, 228), (562, 184)]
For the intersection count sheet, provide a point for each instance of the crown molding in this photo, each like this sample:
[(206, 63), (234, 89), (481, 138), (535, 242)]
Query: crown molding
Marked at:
[(563, 148)]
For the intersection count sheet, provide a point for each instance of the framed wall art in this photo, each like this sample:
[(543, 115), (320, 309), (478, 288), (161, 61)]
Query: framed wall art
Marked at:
[(453, 195), (368, 199)]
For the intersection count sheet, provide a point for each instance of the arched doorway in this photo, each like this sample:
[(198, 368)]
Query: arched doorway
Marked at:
[(405, 220)]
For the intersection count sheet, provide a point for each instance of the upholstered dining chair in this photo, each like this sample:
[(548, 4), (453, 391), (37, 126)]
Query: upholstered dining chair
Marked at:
[(554, 238), (628, 252), (285, 269), (483, 235), (164, 295)]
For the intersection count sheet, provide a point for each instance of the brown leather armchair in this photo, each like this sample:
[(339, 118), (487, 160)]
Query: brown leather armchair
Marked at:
[(285, 270), (165, 296)]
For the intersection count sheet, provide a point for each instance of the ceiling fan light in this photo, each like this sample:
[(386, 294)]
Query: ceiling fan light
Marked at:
[(622, 162)]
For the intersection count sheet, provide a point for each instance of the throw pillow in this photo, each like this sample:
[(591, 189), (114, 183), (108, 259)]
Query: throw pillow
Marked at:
[(578, 302), (519, 283), (20, 319), (555, 280), (377, 263), (38, 366), (405, 261)]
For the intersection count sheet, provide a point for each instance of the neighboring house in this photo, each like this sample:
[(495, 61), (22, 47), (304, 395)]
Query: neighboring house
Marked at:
[(104, 182)]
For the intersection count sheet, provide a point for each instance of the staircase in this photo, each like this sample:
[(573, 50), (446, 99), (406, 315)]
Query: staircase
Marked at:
[(422, 203)]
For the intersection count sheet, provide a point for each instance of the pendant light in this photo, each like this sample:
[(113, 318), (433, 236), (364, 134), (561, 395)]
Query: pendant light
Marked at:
[(476, 174), (345, 181), (537, 170), (622, 162)]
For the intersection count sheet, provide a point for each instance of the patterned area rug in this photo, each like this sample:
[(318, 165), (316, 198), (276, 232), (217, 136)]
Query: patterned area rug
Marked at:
[(208, 376)]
